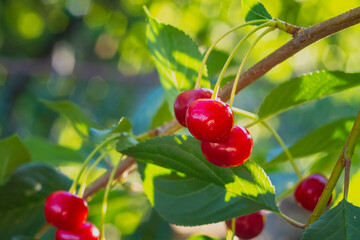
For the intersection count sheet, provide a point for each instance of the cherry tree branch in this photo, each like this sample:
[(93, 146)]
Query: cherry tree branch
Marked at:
[(301, 39)]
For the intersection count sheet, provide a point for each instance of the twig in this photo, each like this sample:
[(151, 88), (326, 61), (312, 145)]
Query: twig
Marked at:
[(347, 162)]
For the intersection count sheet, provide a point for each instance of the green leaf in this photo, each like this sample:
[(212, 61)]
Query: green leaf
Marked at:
[(202, 237), (203, 201), (306, 88), (125, 141), (176, 57), (13, 154), (80, 122), (162, 116), (23, 196), (152, 227), (216, 61), (121, 205), (43, 151), (254, 10), (98, 135), (247, 182), (340, 222), (327, 139)]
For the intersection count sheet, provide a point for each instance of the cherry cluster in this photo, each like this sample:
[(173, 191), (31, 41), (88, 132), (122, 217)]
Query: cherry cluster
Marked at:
[(68, 213), (212, 122)]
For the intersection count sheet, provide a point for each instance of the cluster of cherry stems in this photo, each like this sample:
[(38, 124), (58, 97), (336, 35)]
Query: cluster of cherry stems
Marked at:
[(211, 121)]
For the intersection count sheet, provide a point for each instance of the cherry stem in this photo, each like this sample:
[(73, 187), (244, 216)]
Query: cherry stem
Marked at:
[(347, 177), (286, 27), (229, 235), (90, 172), (105, 200), (237, 78), (42, 231), (198, 81), (254, 117), (232, 54), (232, 228), (346, 154), (88, 159), (290, 220)]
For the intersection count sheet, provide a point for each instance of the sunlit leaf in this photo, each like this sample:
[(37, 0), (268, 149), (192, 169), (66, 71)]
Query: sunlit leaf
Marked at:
[(306, 88), (98, 135), (162, 116), (254, 10), (13, 154), (197, 202), (43, 151), (246, 184), (176, 57), (327, 139), (340, 222), (74, 114)]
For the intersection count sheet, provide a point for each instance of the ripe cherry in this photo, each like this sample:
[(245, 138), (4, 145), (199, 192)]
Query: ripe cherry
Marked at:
[(309, 190), (233, 150), (209, 119), (86, 231), (248, 226), (184, 99), (65, 210)]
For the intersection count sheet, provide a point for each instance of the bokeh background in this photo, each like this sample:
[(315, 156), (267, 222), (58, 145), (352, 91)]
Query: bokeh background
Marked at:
[(94, 53)]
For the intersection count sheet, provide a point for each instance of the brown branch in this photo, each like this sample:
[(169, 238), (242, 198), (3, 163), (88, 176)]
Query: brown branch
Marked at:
[(302, 39), (101, 182)]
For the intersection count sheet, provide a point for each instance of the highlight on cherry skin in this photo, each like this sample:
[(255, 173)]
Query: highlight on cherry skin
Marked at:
[(309, 190), (184, 99), (65, 210), (86, 231), (248, 226), (231, 151), (209, 119)]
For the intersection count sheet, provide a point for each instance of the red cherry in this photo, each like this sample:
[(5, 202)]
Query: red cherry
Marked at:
[(209, 119), (65, 210), (309, 190), (184, 99), (233, 150), (86, 231), (248, 226)]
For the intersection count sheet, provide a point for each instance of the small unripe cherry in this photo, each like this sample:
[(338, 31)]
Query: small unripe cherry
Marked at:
[(209, 119), (184, 99), (65, 210), (86, 231), (309, 190), (248, 226), (233, 150)]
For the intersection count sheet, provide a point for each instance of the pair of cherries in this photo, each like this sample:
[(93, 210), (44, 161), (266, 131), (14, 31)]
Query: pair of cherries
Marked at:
[(212, 122), (307, 194), (68, 213)]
